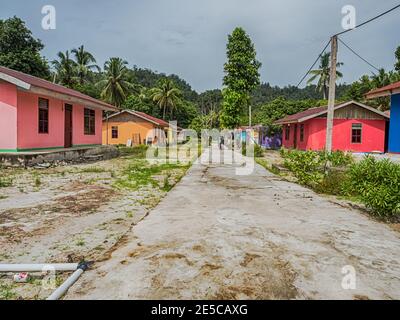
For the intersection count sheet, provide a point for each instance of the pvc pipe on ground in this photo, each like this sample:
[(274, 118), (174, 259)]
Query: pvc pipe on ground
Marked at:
[(61, 290), (38, 267)]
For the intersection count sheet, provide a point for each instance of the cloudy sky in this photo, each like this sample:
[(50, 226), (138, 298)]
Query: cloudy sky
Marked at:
[(188, 37)]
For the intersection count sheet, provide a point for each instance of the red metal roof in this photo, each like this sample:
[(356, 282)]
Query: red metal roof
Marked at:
[(153, 119), (314, 112), (40, 83), (384, 91), (296, 117)]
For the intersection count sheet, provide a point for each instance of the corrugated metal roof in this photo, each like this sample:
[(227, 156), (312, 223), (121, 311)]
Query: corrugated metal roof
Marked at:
[(314, 112), (384, 91), (41, 83)]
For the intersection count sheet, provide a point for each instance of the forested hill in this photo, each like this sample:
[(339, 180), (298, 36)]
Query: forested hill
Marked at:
[(266, 93)]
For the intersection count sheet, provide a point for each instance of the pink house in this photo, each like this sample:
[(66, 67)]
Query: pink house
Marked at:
[(36, 114), (356, 128)]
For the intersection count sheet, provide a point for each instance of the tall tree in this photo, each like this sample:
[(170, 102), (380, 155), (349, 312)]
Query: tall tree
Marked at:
[(65, 69), (115, 86), (241, 77), (85, 63), (166, 95), (322, 74), (19, 50), (397, 54)]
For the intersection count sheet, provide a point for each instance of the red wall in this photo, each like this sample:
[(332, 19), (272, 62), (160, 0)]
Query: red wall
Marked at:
[(28, 136), (373, 135)]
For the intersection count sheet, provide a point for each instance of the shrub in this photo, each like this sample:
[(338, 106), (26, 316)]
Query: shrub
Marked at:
[(258, 150), (377, 183), (5, 182), (305, 165), (337, 158)]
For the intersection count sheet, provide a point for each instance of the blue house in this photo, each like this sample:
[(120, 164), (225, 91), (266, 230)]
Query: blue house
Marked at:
[(392, 90)]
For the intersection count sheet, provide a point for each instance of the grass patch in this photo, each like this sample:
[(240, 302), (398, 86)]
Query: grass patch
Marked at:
[(5, 182), (137, 151), (140, 173), (7, 292)]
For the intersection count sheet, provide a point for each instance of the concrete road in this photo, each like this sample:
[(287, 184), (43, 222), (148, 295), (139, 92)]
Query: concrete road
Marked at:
[(218, 235)]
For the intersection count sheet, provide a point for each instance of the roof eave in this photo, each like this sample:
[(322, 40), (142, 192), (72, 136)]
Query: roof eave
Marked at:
[(377, 93), (72, 99)]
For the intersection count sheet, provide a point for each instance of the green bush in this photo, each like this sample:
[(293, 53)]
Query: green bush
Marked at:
[(137, 151), (5, 182), (258, 150), (377, 183), (305, 165), (337, 158)]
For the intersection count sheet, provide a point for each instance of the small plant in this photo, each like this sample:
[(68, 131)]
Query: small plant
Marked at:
[(258, 150), (80, 242), (38, 182), (5, 182), (6, 292)]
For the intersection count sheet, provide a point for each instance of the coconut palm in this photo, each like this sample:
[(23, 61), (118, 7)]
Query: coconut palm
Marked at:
[(166, 95), (85, 63), (115, 86), (322, 74), (65, 69)]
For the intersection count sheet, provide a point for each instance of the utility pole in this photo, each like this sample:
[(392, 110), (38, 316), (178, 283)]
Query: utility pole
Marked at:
[(250, 115), (331, 97)]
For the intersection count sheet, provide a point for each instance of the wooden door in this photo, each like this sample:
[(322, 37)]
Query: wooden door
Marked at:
[(68, 126), (295, 137)]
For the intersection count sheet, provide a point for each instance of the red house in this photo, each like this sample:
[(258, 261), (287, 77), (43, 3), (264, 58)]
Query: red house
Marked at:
[(36, 114), (356, 128)]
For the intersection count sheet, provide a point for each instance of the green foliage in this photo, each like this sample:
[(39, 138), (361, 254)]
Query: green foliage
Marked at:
[(19, 50), (268, 113), (209, 121), (241, 69), (309, 166), (5, 182), (167, 96), (323, 74), (397, 55), (258, 150), (140, 173), (115, 86), (232, 107), (241, 77), (138, 152), (377, 183)]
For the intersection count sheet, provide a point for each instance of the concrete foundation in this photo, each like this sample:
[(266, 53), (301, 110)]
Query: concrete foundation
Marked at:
[(47, 158)]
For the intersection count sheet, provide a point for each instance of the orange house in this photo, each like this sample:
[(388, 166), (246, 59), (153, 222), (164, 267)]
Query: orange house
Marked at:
[(130, 127)]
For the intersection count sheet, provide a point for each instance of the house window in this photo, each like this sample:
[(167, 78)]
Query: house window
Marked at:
[(356, 132), (90, 122), (43, 115), (287, 132), (114, 132), (302, 132)]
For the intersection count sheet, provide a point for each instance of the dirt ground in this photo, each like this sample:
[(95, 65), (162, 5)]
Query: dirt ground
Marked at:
[(220, 235), (71, 213)]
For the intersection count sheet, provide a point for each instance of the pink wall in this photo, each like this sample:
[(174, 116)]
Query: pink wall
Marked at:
[(28, 136), (78, 134), (8, 116), (373, 135)]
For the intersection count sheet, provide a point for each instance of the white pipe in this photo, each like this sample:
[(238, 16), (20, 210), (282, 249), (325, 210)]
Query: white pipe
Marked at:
[(61, 290), (38, 267)]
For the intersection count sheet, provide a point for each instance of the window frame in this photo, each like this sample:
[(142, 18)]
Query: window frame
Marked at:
[(287, 132), (89, 122), (43, 116), (114, 129), (301, 132), (356, 138)]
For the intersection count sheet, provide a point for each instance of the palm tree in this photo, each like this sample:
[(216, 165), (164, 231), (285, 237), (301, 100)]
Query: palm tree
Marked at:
[(64, 69), (85, 63), (166, 95), (115, 86), (323, 74)]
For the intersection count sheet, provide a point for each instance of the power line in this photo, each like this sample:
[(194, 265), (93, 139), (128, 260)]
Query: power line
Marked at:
[(308, 71), (348, 47), (343, 32), (370, 20)]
